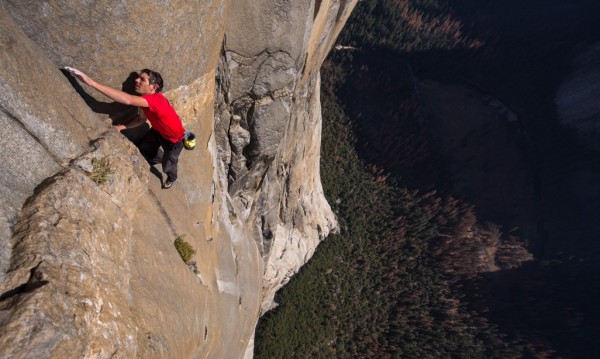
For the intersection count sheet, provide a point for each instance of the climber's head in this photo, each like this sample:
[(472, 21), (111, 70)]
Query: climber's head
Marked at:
[(148, 82)]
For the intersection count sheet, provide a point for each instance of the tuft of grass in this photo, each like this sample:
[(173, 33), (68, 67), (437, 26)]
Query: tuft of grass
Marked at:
[(101, 170), (185, 250)]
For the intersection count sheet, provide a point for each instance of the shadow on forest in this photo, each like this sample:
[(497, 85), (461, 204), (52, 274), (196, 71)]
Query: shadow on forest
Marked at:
[(549, 303), (528, 53)]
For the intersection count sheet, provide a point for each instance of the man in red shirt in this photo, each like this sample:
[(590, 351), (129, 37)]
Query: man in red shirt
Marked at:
[(167, 130)]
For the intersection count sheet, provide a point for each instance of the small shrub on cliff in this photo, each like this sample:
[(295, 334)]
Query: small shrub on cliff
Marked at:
[(101, 170), (185, 250)]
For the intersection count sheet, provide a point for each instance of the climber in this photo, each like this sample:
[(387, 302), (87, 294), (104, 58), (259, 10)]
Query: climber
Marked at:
[(167, 130)]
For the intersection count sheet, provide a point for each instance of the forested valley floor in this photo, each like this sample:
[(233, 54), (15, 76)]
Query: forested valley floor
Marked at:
[(416, 270)]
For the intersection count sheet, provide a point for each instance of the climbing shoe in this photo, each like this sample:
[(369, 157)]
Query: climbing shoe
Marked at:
[(168, 184)]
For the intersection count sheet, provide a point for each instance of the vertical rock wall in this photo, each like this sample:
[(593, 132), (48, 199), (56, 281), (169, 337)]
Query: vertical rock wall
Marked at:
[(89, 269), (37, 139), (269, 122)]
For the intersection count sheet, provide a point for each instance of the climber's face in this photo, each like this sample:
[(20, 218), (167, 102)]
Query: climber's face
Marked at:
[(143, 85)]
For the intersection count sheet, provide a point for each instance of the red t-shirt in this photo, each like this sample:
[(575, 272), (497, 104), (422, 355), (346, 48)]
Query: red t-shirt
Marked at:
[(163, 118)]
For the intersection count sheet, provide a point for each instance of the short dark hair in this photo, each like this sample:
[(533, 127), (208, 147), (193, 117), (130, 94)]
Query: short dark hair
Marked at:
[(154, 78)]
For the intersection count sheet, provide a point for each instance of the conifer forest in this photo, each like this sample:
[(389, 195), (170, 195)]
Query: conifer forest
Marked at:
[(456, 240)]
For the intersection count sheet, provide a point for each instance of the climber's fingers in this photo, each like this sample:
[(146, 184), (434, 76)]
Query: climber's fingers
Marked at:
[(76, 72)]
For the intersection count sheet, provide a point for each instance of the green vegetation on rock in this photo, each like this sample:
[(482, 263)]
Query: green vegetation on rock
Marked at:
[(185, 250), (101, 170)]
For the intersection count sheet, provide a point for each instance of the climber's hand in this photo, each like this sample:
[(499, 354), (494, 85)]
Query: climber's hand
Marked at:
[(80, 75)]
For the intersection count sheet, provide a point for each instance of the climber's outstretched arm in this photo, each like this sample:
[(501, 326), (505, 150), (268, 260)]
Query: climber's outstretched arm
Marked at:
[(116, 95)]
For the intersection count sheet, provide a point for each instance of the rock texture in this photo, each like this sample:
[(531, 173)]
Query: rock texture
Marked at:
[(40, 134), (89, 269), (269, 126)]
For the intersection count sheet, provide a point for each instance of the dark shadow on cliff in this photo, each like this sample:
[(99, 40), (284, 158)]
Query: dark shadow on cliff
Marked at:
[(32, 284), (118, 113), (157, 173)]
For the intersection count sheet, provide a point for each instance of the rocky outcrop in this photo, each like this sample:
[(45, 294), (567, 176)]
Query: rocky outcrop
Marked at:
[(88, 267)]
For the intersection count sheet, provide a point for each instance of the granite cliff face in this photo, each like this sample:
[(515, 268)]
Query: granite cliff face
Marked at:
[(89, 269)]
